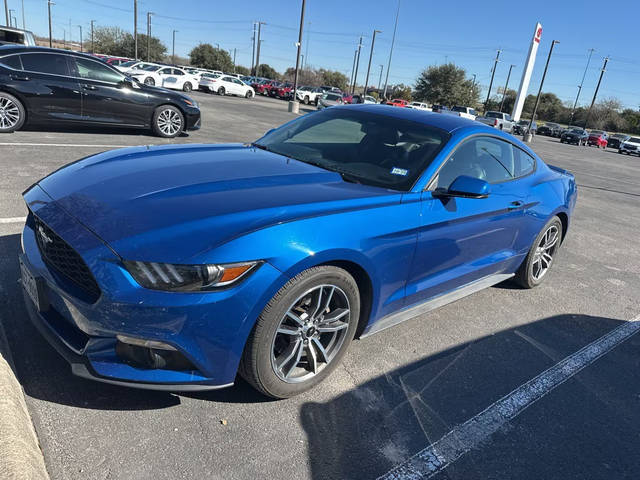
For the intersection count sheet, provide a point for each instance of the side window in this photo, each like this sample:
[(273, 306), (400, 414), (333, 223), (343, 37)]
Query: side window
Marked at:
[(45, 63), (165, 71), (177, 72), (91, 70), (227, 79), (235, 80), (12, 61), (524, 163), (485, 158)]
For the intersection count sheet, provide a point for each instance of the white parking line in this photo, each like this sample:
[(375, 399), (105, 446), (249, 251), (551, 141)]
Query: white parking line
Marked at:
[(13, 220), (471, 434), (24, 144)]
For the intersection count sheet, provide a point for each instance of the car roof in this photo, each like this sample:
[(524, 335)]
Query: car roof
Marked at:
[(9, 49)]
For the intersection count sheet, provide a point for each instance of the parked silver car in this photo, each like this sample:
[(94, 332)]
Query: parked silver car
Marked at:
[(329, 100)]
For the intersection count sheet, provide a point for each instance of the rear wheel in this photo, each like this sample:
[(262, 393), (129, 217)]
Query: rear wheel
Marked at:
[(12, 113), (221, 91), (149, 81), (187, 87), (302, 333), (541, 256), (168, 121)]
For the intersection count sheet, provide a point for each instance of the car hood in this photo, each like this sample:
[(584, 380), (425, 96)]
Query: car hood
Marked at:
[(170, 203)]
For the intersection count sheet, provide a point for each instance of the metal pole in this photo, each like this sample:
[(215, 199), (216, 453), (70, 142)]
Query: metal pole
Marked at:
[(173, 48), (591, 50), (11, 11), (353, 68), (544, 74), (306, 48), (504, 92), (393, 41), (380, 79), (135, 29), (234, 60), (92, 22), (81, 48), (355, 75), (23, 24), (64, 38), (149, 36), (493, 73), (6, 14), (258, 47), (253, 50), (49, 3), (293, 105), (366, 81), (595, 94)]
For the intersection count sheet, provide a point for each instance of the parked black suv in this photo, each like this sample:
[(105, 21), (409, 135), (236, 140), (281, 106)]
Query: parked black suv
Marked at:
[(51, 86)]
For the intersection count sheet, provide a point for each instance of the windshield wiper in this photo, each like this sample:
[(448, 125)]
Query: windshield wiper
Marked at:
[(261, 147)]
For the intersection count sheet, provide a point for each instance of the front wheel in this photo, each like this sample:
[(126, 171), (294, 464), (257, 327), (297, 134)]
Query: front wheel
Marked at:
[(303, 332), (249, 94), (221, 91), (12, 113), (167, 121), (149, 81), (187, 87), (541, 256)]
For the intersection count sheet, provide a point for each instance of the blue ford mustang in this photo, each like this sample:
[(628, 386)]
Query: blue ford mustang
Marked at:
[(178, 267)]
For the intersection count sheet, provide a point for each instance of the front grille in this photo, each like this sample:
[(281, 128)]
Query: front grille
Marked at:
[(65, 260)]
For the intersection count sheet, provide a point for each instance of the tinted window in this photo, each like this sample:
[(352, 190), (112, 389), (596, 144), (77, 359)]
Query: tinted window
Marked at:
[(524, 163), (11, 37), (12, 61), (227, 79), (179, 72), (368, 148), (91, 70), (332, 97), (45, 63), (485, 158)]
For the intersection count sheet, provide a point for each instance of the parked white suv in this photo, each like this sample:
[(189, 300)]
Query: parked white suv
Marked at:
[(419, 106), (630, 146)]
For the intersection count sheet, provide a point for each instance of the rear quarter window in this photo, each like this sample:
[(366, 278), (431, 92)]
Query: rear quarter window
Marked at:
[(12, 61)]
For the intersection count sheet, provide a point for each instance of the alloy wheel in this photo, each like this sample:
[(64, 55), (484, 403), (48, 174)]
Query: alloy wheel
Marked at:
[(9, 113), (545, 252), (169, 122), (310, 334)]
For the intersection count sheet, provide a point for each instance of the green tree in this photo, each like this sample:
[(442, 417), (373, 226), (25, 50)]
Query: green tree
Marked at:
[(115, 41), (205, 56), (266, 71), (401, 91), (446, 84), (334, 78), (242, 70)]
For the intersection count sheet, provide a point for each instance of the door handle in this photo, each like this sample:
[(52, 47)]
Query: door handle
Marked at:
[(89, 87), (515, 205), (22, 78)]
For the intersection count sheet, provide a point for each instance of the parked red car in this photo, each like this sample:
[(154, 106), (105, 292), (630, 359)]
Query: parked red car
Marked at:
[(284, 91), (598, 138), (398, 102), (263, 87)]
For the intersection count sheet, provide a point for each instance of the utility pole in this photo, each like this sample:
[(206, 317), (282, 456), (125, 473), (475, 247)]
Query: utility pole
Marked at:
[(49, 3), (306, 48), (92, 22), (23, 24), (595, 94), (535, 107), (504, 92), (258, 46), (64, 38), (234, 60), (493, 73), (81, 48), (393, 41), (149, 36), (135, 29), (6, 14), (380, 79), (253, 49), (173, 48), (366, 81), (293, 104), (353, 68), (473, 85), (11, 12), (575, 104), (355, 75)]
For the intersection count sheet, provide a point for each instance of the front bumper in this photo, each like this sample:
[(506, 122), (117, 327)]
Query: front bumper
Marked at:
[(208, 329), (192, 118)]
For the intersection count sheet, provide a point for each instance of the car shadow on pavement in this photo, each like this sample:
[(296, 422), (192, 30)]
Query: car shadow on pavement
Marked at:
[(365, 432), (94, 129)]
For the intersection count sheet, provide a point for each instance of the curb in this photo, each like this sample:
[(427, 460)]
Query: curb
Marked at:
[(20, 454)]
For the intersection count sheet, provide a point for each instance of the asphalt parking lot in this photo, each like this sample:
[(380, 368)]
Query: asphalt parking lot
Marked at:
[(397, 392)]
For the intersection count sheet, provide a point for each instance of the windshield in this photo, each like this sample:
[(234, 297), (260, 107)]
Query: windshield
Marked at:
[(149, 68), (523, 122), (331, 96), (634, 140), (596, 132), (494, 115), (365, 148), (128, 64), (459, 109), (577, 130), (551, 125)]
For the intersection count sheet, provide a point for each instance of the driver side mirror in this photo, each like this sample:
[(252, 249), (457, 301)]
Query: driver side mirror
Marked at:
[(465, 187)]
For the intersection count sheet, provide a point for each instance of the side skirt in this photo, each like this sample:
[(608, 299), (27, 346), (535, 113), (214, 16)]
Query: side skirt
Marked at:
[(436, 302)]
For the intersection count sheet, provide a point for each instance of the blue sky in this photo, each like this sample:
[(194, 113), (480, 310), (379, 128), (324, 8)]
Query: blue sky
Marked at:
[(467, 32)]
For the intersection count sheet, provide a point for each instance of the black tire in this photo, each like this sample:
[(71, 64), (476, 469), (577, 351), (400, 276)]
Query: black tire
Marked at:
[(256, 363), (164, 114), (620, 152), (306, 100), (221, 91), (12, 113), (249, 94), (149, 81), (524, 276), (187, 87)]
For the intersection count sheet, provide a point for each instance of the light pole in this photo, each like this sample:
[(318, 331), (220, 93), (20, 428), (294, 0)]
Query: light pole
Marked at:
[(81, 48), (504, 92), (306, 47), (293, 104), (11, 12), (355, 74), (380, 79), (393, 41), (353, 68), (253, 48), (258, 47), (135, 29), (149, 36), (49, 3), (591, 50), (92, 22), (493, 73), (366, 79), (234, 60), (527, 135), (595, 94), (23, 24), (173, 48), (6, 13)]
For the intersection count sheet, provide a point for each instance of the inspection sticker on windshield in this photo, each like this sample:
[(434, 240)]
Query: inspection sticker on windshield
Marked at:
[(399, 171)]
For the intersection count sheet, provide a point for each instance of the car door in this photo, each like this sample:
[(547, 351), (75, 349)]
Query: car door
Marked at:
[(106, 95), (229, 86), (240, 88), (462, 240), (49, 89)]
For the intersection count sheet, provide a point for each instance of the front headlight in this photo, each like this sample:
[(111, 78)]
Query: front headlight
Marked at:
[(190, 102), (188, 278)]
